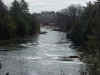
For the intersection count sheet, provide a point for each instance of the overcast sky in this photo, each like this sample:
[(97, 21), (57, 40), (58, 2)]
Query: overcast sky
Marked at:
[(49, 5)]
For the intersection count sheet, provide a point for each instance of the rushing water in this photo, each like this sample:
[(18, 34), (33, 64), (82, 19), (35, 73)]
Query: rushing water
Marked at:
[(42, 57)]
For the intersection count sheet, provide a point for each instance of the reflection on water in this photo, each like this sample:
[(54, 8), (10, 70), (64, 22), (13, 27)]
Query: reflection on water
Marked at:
[(48, 55)]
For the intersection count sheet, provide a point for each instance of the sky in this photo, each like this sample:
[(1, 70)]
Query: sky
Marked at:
[(49, 5)]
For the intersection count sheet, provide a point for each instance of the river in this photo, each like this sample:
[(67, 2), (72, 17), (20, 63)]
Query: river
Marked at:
[(42, 56)]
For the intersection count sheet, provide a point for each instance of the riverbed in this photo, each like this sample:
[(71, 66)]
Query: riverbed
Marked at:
[(47, 54)]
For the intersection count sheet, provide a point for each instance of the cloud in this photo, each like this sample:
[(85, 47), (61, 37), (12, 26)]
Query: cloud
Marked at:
[(49, 5)]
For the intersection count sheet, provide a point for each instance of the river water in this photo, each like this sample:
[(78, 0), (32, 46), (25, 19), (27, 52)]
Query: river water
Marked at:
[(44, 55)]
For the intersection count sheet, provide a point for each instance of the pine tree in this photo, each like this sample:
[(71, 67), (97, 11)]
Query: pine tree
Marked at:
[(24, 6), (3, 7), (24, 20), (15, 8), (3, 20), (17, 15)]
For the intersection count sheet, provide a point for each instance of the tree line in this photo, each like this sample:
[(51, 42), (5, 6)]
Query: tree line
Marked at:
[(82, 26), (17, 21), (80, 22)]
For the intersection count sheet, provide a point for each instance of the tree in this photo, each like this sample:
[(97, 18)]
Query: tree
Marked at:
[(15, 9), (24, 6), (24, 21), (3, 21), (18, 15)]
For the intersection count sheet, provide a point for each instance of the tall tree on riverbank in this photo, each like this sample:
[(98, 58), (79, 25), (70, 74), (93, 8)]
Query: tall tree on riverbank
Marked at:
[(25, 22), (30, 21), (3, 21), (17, 13), (24, 6)]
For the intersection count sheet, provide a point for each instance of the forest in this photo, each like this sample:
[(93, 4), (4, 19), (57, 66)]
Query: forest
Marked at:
[(80, 23), (82, 26), (16, 21)]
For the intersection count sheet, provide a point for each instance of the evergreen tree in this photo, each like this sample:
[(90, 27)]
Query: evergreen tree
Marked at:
[(17, 14), (3, 21), (24, 6), (25, 22), (15, 8)]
